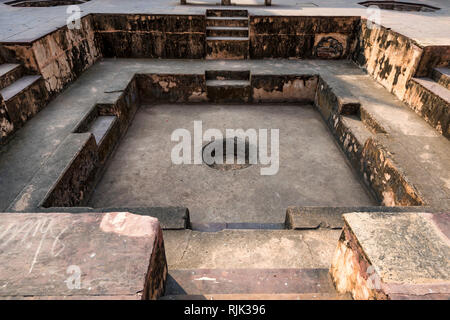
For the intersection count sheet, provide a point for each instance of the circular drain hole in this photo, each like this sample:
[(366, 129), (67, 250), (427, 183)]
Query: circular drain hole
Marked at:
[(236, 150)]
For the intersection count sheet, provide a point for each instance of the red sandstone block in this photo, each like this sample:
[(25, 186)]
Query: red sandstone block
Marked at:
[(114, 255)]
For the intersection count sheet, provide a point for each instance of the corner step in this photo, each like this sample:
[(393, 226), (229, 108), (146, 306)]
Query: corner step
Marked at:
[(9, 72), (22, 99), (18, 86), (100, 127), (431, 101), (106, 133), (251, 283), (442, 76)]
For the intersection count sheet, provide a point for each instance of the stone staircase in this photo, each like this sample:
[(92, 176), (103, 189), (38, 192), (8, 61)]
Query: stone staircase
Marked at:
[(430, 97), (228, 86), (227, 34), (21, 97), (243, 264)]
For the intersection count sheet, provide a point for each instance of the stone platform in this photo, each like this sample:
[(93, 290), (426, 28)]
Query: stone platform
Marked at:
[(115, 255), (394, 256)]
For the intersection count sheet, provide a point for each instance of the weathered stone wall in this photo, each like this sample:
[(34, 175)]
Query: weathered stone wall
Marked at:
[(171, 88), (151, 36), (60, 57), (434, 108), (302, 37), (286, 88), (391, 58), (349, 269)]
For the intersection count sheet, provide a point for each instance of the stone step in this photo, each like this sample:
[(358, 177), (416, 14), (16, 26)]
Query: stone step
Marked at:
[(227, 31), (261, 296), (250, 249), (101, 126), (230, 39), (304, 218), (9, 72), (228, 90), (106, 133), (227, 83), (226, 13), (22, 100), (18, 86), (248, 281), (226, 22), (227, 47), (227, 74), (442, 76), (430, 100)]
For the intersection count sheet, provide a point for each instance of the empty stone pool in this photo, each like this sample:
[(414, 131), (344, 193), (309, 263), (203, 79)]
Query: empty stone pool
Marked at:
[(312, 169)]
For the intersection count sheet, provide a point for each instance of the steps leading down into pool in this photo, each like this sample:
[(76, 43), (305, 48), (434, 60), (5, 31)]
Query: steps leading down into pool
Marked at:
[(227, 34), (250, 264)]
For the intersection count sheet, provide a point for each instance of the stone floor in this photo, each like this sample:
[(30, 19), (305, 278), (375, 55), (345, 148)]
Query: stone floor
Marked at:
[(312, 171), (260, 249)]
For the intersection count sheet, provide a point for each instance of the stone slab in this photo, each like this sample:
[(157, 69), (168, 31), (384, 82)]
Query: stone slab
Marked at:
[(393, 255), (255, 249), (170, 218), (67, 256), (331, 217)]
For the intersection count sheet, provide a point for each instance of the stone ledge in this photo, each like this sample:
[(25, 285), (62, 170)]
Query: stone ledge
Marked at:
[(170, 218), (393, 256), (300, 218), (81, 256)]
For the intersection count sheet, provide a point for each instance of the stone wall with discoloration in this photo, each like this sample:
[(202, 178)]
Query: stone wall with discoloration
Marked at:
[(435, 109), (151, 36), (302, 37), (171, 88), (273, 88), (391, 58)]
